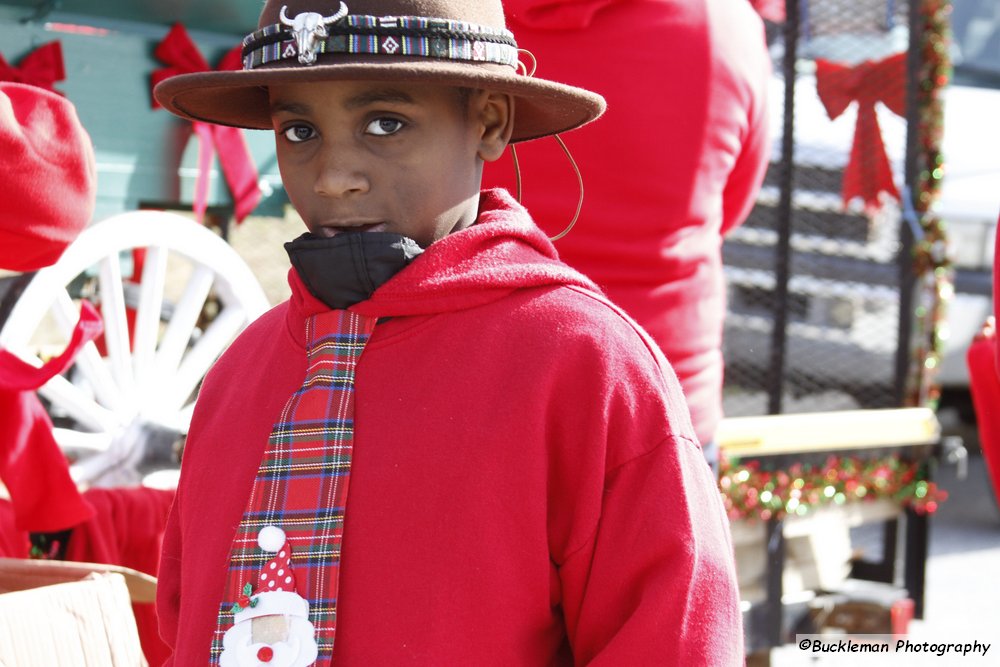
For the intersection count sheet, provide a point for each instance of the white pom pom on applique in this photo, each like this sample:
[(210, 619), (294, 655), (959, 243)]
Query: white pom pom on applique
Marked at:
[(271, 538)]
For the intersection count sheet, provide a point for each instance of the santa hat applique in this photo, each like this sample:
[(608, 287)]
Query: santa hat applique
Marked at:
[(276, 594)]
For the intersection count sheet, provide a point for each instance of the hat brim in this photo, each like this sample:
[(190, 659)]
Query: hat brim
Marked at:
[(240, 99)]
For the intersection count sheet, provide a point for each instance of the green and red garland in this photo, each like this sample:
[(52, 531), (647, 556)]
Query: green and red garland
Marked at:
[(751, 490), (931, 266)]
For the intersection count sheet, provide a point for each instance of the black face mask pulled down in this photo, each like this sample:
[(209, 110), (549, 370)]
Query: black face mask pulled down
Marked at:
[(345, 269)]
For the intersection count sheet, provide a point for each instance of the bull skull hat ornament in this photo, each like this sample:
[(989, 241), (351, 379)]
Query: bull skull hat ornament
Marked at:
[(309, 28)]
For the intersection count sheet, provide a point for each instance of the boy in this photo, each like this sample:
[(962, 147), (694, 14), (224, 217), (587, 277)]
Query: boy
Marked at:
[(524, 484)]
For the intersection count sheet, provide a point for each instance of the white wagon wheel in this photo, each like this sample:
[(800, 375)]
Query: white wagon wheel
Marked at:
[(162, 332)]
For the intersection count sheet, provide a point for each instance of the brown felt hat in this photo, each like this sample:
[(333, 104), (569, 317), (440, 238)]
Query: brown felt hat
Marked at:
[(448, 42)]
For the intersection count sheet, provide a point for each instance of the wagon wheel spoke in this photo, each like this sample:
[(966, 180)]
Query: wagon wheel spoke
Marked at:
[(70, 439), (184, 320), (113, 311), (88, 361), (68, 397), (200, 358), (148, 313), (135, 386)]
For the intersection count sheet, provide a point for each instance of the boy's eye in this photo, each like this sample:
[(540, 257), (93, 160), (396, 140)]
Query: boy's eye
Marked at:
[(384, 126), (299, 133)]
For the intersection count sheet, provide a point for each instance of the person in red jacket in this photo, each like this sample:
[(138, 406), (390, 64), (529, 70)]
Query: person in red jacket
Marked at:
[(674, 165), (47, 194), (448, 447), (983, 361)]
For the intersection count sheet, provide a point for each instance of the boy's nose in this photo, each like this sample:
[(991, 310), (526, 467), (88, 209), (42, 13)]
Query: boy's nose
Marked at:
[(340, 176)]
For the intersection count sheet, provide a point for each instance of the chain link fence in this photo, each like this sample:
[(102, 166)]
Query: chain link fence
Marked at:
[(817, 303)]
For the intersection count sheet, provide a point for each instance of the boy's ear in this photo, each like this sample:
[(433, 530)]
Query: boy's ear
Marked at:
[(496, 117)]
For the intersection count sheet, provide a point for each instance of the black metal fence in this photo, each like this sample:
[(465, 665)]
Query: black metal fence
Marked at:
[(819, 287)]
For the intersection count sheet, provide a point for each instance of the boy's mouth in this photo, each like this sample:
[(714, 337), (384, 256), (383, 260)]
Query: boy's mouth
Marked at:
[(331, 230)]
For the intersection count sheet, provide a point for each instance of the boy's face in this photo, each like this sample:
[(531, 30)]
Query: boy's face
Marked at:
[(386, 156)]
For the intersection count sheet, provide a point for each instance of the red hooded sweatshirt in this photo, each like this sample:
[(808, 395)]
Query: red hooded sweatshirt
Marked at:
[(525, 487), (675, 163)]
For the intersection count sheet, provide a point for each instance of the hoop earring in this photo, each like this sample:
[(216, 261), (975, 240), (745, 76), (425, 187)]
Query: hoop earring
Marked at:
[(579, 182), (524, 70), (517, 173)]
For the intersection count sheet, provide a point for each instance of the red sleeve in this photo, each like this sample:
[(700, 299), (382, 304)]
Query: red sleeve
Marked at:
[(744, 181), (168, 580), (656, 583), (996, 290)]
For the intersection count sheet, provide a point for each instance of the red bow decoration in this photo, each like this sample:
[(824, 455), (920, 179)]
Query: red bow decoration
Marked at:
[(42, 67), (868, 171), (181, 55)]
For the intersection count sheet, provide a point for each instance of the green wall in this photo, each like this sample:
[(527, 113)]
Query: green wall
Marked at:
[(236, 17)]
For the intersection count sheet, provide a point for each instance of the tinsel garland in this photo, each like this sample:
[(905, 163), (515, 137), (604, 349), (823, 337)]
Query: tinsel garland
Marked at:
[(752, 490), (934, 75), (932, 269)]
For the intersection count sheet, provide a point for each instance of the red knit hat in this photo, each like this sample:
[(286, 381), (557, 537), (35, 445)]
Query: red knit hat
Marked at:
[(49, 177)]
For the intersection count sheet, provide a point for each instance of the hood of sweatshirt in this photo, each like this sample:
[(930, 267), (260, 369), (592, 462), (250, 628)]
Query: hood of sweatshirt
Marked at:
[(503, 252), (555, 14)]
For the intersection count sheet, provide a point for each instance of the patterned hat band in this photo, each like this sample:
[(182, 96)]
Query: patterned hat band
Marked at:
[(310, 34)]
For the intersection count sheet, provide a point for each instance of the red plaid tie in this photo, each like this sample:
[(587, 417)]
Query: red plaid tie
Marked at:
[(294, 519)]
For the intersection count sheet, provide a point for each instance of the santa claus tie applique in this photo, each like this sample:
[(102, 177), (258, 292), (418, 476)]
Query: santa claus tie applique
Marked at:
[(294, 519), (271, 623)]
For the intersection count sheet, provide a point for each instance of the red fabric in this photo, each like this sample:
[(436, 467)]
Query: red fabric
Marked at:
[(181, 56), (772, 10), (49, 182), (868, 171), (675, 163), (32, 467), (983, 359), (127, 529), (43, 67), (984, 385), (996, 290), (525, 487), (14, 542), (556, 14)]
